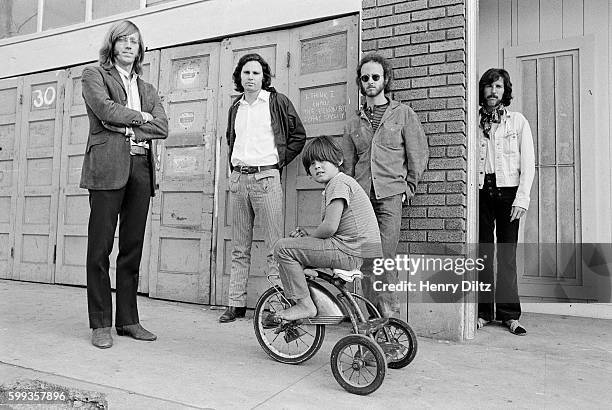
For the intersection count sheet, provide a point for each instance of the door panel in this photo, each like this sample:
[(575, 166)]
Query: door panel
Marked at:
[(38, 189), (182, 214), (273, 47), (551, 91), (321, 87), (10, 131)]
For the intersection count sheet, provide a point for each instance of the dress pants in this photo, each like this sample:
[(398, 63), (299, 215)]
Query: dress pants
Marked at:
[(131, 205), (494, 223)]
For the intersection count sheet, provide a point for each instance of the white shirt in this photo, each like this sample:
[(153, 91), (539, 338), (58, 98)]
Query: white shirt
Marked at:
[(254, 145), (130, 84), (514, 159)]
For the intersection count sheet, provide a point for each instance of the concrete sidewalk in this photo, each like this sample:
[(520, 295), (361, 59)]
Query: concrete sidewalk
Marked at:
[(564, 362)]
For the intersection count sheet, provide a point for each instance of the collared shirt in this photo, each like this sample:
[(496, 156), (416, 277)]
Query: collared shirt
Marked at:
[(254, 144), (130, 84), (513, 153)]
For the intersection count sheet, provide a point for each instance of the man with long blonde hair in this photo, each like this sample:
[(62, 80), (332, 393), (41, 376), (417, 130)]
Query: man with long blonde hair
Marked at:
[(125, 114)]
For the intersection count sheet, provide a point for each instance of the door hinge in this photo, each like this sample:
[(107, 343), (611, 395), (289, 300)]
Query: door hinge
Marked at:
[(288, 59), (54, 253), (12, 252), (20, 99)]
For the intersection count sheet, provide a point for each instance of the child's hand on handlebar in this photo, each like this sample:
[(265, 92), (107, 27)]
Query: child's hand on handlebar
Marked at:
[(298, 233)]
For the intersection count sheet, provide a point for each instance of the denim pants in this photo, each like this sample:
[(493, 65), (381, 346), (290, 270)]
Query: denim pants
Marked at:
[(253, 195), (389, 216), (295, 254), (494, 220)]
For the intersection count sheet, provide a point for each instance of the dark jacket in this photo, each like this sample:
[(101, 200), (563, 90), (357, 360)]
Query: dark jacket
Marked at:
[(107, 156), (289, 133)]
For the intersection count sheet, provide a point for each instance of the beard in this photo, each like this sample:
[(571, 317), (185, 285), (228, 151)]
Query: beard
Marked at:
[(372, 92)]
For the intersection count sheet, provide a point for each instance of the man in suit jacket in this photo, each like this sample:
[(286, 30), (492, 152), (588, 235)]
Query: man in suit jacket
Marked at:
[(125, 114)]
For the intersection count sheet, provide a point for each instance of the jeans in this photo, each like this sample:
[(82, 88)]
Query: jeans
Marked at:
[(494, 219), (295, 254), (389, 216), (253, 194)]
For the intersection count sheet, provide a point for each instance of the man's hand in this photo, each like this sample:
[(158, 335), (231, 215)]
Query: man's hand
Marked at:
[(298, 233), (517, 213), (146, 116), (404, 197), (113, 128)]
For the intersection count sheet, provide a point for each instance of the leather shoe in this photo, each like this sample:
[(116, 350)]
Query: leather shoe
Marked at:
[(101, 337), (231, 313), (136, 331)]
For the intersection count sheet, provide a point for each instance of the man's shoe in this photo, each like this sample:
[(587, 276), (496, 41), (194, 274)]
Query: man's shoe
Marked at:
[(101, 337), (515, 327), (136, 331), (231, 313)]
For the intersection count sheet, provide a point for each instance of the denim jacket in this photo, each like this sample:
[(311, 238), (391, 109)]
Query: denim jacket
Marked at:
[(393, 158), (514, 156)]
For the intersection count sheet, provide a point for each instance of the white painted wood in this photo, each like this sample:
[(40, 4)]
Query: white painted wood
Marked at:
[(10, 137), (177, 23)]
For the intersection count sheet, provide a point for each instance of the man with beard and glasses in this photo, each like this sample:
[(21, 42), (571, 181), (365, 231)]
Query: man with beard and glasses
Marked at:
[(386, 151), (506, 169)]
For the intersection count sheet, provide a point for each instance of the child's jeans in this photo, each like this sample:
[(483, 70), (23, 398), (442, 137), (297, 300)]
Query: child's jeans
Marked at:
[(294, 254)]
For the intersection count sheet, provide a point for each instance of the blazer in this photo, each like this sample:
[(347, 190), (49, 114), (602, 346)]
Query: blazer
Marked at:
[(106, 164)]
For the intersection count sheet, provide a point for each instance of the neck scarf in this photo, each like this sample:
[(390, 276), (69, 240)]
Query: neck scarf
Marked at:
[(489, 117)]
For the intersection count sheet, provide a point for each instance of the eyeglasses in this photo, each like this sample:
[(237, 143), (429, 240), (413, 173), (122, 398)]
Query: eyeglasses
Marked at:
[(127, 39), (366, 77)]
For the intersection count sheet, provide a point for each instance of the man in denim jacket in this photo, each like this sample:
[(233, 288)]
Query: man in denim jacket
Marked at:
[(506, 169), (386, 151)]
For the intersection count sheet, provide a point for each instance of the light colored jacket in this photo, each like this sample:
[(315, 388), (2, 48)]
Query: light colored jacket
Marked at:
[(393, 158), (514, 156)]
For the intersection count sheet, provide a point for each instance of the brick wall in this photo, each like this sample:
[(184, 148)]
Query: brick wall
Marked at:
[(425, 42)]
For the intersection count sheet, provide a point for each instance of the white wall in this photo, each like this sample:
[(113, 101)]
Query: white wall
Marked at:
[(185, 21)]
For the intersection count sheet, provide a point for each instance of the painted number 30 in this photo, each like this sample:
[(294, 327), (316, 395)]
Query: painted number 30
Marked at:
[(40, 98)]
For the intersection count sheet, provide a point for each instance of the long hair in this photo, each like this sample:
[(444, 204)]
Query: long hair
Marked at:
[(107, 51), (488, 78), (267, 74), (322, 148), (387, 71)]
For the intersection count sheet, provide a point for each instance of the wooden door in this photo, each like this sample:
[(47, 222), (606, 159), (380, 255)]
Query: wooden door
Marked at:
[(10, 131), (324, 57), (273, 47), (552, 83), (73, 209), (183, 208), (73, 212), (38, 187)]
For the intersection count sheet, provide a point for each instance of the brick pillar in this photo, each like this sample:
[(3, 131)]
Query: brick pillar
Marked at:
[(425, 42)]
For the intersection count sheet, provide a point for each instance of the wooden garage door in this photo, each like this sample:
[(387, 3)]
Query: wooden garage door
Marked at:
[(10, 129), (183, 208), (313, 65), (274, 48), (73, 212), (323, 89), (38, 187)]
